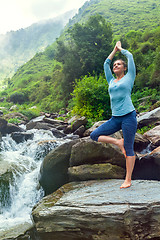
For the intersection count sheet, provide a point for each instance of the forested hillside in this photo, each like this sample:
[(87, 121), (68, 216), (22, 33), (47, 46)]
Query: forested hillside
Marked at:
[(122, 14), (17, 47), (69, 73)]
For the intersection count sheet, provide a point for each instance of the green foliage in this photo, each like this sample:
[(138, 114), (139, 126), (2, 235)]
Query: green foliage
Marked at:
[(48, 82), (90, 98), (85, 51), (18, 97), (14, 120), (142, 99), (30, 113), (124, 15), (145, 129)]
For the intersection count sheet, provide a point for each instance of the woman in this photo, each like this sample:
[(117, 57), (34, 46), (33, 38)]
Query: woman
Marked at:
[(123, 111)]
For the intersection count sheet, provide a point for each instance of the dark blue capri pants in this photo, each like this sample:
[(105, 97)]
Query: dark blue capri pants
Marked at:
[(128, 124)]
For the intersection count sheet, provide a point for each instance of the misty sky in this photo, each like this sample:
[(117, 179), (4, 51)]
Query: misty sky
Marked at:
[(16, 14)]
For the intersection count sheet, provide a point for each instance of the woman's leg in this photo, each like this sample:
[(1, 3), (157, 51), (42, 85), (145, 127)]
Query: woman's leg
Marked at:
[(111, 126), (129, 127), (130, 161), (117, 142)]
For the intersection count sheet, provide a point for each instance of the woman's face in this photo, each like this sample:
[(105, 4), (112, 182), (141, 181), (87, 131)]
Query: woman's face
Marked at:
[(118, 67)]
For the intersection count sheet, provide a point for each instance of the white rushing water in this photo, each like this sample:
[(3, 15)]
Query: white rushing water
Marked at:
[(24, 160)]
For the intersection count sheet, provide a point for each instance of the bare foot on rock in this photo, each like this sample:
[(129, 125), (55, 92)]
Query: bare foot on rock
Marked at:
[(126, 184), (121, 146)]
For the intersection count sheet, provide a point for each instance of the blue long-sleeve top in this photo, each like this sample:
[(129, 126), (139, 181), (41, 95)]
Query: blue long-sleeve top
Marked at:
[(120, 92)]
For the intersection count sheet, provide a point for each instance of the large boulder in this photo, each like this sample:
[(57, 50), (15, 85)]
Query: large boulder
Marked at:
[(149, 118), (74, 123), (54, 168), (153, 135), (7, 128), (3, 125), (32, 123), (148, 166), (80, 131), (140, 142), (95, 171), (22, 231), (57, 133), (100, 210), (17, 115), (19, 137), (45, 123), (87, 151), (13, 128), (54, 122), (155, 154), (7, 172), (78, 122)]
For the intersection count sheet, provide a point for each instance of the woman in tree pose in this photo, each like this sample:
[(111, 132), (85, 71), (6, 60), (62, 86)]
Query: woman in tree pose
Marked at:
[(123, 111)]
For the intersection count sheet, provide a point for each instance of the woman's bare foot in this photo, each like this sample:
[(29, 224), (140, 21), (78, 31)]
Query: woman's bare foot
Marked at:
[(126, 184), (121, 146)]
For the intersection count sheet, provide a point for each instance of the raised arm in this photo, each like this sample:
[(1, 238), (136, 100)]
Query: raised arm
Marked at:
[(107, 70), (131, 65), (129, 56)]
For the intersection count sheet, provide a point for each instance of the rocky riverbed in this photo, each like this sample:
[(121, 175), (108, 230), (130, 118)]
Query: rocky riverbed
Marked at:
[(81, 180)]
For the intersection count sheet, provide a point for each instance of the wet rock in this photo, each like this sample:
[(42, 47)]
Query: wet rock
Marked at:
[(31, 124), (100, 210), (155, 155), (96, 171), (153, 135), (57, 133), (72, 119), (54, 122), (71, 137), (39, 125), (3, 125), (75, 122), (17, 115), (6, 178), (87, 151), (149, 118), (21, 137), (14, 107), (140, 143), (44, 147), (13, 128), (80, 131), (19, 232), (68, 129), (147, 167), (54, 168), (7, 128), (79, 122)]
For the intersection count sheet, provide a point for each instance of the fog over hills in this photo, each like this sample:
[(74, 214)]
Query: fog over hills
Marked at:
[(17, 47)]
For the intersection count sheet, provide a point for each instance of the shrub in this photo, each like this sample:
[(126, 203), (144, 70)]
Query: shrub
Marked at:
[(18, 97), (90, 98)]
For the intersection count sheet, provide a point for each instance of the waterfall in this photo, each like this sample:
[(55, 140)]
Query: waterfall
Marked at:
[(23, 191)]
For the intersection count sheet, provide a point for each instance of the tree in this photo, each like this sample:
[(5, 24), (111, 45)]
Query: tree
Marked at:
[(92, 43), (88, 46)]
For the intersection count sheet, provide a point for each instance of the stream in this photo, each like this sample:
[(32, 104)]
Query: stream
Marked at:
[(21, 191)]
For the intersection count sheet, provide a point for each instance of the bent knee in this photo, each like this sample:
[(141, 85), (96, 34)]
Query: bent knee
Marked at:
[(94, 137)]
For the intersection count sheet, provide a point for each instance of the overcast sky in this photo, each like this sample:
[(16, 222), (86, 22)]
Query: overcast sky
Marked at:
[(16, 14)]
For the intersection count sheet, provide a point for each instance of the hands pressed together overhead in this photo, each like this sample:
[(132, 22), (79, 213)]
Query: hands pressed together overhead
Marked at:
[(118, 46)]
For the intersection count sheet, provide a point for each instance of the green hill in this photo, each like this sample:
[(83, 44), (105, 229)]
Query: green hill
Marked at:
[(124, 15)]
